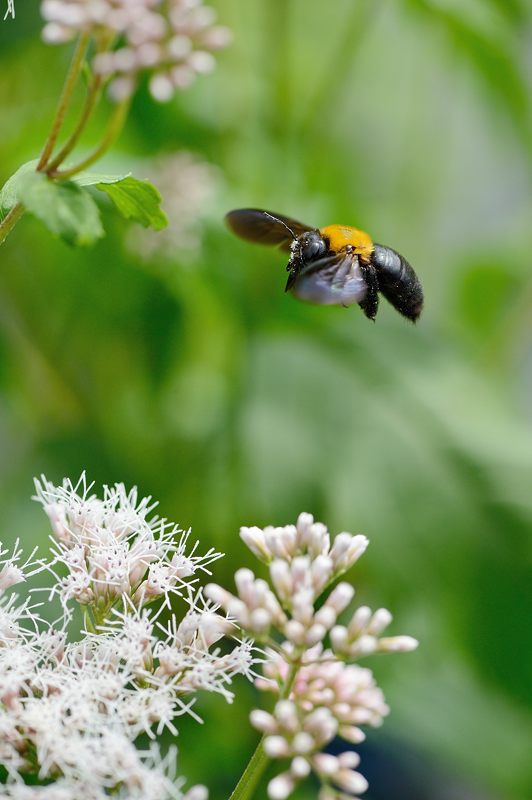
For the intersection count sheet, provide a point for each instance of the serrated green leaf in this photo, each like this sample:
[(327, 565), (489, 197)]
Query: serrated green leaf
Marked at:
[(65, 208), (137, 200), (9, 194), (93, 178)]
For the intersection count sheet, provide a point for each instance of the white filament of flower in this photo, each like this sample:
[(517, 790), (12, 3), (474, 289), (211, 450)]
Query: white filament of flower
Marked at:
[(70, 711)]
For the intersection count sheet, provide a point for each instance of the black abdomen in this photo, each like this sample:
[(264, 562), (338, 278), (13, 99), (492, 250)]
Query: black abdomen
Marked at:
[(398, 282)]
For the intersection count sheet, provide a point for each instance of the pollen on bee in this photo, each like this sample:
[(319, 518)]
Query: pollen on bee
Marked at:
[(340, 237)]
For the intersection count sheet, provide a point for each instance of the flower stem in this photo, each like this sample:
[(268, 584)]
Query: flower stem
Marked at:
[(111, 134), (259, 760), (64, 100), (9, 222), (90, 102), (252, 774)]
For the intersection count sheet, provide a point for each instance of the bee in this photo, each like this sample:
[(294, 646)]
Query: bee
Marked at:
[(335, 265)]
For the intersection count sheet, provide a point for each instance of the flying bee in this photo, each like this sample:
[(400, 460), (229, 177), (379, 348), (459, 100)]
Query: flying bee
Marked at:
[(335, 265)]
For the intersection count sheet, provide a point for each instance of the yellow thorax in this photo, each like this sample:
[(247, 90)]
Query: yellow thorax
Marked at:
[(341, 236)]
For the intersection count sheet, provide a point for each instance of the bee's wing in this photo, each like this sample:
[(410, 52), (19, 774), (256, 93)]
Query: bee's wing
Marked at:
[(334, 280), (265, 227), (326, 266)]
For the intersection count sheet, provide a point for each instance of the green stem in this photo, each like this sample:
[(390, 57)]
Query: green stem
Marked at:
[(259, 760), (64, 100), (9, 222), (90, 102), (252, 774), (113, 131)]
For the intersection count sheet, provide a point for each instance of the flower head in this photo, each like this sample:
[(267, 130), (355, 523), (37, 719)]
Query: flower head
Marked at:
[(296, 614), (172, 40), (189, 186), (72, 709), (116, 548)]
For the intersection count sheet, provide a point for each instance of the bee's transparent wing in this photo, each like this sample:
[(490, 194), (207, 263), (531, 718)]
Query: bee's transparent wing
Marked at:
[(334, 280)]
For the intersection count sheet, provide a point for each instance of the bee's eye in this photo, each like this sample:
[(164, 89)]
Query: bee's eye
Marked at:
[(313, 249)]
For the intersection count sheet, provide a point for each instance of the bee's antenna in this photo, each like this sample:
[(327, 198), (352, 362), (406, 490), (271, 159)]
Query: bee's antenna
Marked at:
[(276, 219)]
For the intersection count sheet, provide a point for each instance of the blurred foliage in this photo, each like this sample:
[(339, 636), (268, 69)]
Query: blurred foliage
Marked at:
[(199, 380)]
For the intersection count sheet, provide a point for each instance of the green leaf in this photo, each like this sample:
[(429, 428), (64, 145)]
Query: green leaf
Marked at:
[(9, 194), (65, 208), (138, 200), (93, 178)]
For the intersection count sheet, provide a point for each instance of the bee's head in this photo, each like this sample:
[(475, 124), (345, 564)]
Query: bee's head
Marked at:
[(310, 246)]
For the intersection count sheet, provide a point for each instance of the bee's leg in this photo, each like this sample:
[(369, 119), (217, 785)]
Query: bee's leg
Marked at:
[(370, 303), (293, 268)]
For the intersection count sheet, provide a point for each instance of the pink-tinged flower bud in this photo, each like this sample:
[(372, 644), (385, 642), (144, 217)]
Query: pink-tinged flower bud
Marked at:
[(201, 62), (281, 579), (217, 594), (244, 580), (300, 767), (263, 721), (303, 743), (237, 609), (352, 782), (286, 713), (349, 759), (325, 764), (253, 538), (380, 620), (162, 87), (360, 620), (197, 793), (351, 734), (326, 616), (300, 570), (304, 527), (276, 747), (56, 513), (347, 549), (339, 638), (364, 646), (121, 88), (303, 606), (398, 644), (322, 724), (295, 632), (259, 621), (321, 572), (340, 597), (315, 634), (281, 787), (319, 541)]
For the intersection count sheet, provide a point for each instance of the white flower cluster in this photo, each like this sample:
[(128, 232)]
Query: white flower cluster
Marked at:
[(113, 548), (173, 40), (189, 186), (321, 694), (70, 711)]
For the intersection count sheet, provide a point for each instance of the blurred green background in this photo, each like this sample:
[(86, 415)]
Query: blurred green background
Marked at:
[(178, 364)]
